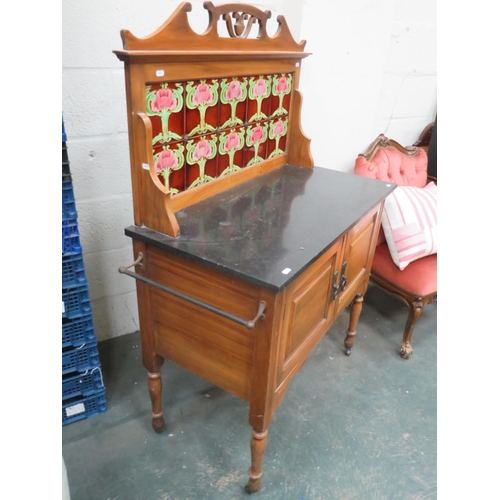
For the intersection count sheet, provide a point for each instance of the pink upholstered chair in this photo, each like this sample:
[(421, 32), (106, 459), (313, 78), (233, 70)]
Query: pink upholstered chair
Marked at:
[(416, 284)]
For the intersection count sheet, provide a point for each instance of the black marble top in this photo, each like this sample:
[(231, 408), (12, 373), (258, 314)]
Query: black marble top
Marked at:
[(268, 230)]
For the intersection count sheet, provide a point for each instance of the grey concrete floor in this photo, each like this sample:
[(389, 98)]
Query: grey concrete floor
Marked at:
[(361, 427)]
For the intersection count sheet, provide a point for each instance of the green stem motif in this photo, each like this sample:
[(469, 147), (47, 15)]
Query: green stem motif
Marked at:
[(259, 115), (277, 150), (202, 178), (232, 167), (203, 126), (165, 114), (234, 119), (166, 177)]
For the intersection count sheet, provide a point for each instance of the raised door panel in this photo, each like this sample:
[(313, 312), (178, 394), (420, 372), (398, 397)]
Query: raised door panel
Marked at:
[(307, 316), (357, 256)]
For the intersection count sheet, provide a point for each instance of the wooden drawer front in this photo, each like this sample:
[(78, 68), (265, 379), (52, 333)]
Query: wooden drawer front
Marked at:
[(358, 255), (201, 341)]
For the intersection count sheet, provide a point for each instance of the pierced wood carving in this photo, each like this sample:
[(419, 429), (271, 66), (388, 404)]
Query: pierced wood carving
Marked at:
[(176, 33)]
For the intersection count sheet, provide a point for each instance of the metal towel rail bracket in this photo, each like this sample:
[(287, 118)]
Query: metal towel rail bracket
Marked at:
[(250, 324)]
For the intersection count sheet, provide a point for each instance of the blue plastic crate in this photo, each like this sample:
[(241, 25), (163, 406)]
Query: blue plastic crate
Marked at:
[(76, 302), (78, 331), (82, 384), (65, 156), (73, 271), (70, 238), (69, 212), (84, 407), (80, 359)]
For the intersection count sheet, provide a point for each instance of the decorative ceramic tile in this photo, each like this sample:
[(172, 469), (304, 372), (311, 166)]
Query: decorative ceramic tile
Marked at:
[(201, 159), (277, 132), (259, 90), (281, 91), (204, 129), (256, 139), (231, 142), (202, 111), (233, 95), (169, 163), (164, 106)]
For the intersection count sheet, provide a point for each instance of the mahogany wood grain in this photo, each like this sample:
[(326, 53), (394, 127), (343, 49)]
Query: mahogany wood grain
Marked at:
[(356, 307), (257, 448), (151, 361), (176, 33), (154, 384), (155, 201), (310, 284), (299, 149), (174, 52), (358, 254), (256, 364)]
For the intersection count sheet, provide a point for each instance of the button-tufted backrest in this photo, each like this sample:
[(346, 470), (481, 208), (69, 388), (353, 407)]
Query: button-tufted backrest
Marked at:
[(389, 164)]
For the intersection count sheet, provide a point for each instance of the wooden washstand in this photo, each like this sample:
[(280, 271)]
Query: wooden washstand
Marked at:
[(244, 254)]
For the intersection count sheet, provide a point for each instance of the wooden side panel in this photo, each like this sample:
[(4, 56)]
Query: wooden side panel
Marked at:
[(199, 340)]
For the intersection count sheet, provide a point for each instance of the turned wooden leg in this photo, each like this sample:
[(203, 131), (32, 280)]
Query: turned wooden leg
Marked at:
[(154, 383), (356, 307), (257, 447), (416, 308)]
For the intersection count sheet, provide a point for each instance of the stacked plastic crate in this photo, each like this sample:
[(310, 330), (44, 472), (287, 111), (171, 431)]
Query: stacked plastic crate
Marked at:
[(83, 393)]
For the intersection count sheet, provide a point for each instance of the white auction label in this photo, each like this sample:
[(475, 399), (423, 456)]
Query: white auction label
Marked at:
[(75, 409)]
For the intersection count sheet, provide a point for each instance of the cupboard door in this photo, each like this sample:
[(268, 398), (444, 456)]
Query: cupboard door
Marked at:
[(308, 314), (357, 256)]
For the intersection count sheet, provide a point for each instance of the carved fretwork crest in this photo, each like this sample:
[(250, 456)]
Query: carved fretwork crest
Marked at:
[(239, 18), (242, 24)]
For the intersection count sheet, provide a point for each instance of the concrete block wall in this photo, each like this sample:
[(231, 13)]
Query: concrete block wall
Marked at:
[(373, 70)]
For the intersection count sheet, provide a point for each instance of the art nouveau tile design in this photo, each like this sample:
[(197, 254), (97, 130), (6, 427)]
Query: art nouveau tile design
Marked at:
[(204, 129)]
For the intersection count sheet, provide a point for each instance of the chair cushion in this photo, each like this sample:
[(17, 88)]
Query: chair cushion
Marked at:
[(419, 277), (390, 165), (409, 221)]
